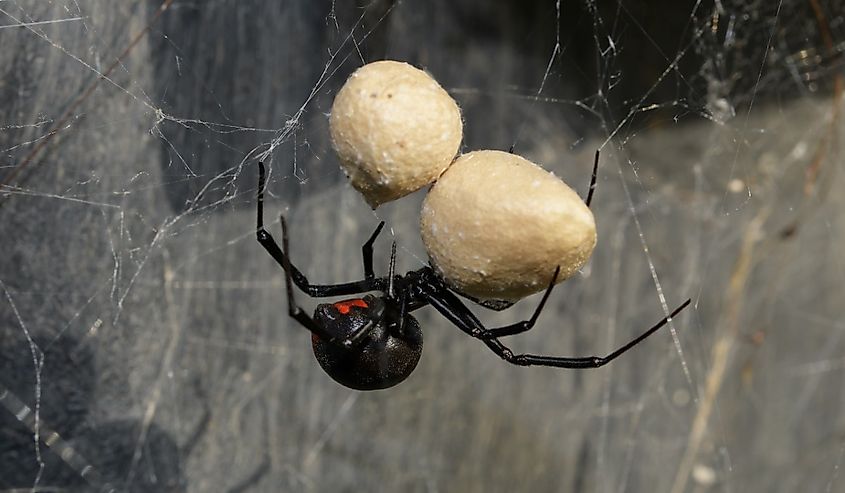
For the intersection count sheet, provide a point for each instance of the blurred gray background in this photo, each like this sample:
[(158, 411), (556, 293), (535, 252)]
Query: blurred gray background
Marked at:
[(144, 342)]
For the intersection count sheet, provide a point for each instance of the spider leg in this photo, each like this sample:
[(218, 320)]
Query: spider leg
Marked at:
[(315, 290), (495, 305), (367, 252), (525, 325), (298, 314), (294, 310), (402, 298), (593, 361), (444, 301), (456, 312), (592, 181), (390, 271), (403, 310), (354, 339), (592, 188)]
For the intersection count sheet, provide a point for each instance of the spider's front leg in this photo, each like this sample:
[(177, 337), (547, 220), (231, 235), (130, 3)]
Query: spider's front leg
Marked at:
[(298, 314), (266, 239), (294, 310), (315, 290)]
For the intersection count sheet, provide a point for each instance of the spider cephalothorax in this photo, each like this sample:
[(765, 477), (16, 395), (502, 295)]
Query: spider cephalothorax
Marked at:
[(373, 342)]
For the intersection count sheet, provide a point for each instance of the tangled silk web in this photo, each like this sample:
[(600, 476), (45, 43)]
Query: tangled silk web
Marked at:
[(145, 344)]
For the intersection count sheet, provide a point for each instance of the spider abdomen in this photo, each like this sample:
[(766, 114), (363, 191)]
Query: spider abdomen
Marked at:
[(383, 359)]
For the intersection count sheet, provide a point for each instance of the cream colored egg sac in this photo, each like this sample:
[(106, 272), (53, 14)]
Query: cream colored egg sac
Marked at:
[(394, 130), (496, 226)]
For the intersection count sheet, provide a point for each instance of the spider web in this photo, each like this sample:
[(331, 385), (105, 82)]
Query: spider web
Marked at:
[(145, 343)]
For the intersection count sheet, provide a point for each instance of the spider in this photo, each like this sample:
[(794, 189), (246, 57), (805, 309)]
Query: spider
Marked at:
[(373, 342)]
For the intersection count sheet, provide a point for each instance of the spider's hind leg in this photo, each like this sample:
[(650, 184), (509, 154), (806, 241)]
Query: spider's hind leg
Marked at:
[(587, 361), (448, 304)]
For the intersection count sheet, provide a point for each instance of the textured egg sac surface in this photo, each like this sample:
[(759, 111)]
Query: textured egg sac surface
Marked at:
[(394, 129), (496, 225)]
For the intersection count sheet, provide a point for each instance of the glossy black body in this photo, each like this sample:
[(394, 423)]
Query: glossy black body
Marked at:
[(385, 356), (378, 344)]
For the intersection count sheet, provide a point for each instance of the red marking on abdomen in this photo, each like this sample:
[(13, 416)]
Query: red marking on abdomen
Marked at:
[(344, 306)]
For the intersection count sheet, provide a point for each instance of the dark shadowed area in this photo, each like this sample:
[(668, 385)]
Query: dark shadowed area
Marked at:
[(144, 338)]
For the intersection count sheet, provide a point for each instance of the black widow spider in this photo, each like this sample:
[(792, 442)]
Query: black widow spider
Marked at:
[(374, 342)]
